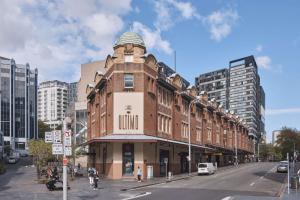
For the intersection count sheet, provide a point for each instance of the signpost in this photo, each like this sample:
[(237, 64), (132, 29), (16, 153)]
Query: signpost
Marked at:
[(48, 137), (166, 162), (57, 149), (57, 136)]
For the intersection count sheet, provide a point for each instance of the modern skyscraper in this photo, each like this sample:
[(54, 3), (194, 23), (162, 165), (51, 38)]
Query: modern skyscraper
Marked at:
[(18, 108), (238, 89), (52, 102), (215, 84)]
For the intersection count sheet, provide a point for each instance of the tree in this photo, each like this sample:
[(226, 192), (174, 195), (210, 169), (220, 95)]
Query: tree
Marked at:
[(268, 152), (287, 140), (43, 127), (42, 153)]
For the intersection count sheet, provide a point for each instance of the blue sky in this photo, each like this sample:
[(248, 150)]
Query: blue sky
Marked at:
[(57, 36)]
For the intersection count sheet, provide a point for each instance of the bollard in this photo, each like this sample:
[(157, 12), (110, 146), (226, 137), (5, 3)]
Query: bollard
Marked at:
[(169, 175)]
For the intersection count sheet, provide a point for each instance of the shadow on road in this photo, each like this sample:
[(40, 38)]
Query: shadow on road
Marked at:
[(12, 172)]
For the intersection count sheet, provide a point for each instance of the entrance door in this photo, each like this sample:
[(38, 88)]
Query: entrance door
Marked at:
[(163, 155), (128, 159), (184, 164)]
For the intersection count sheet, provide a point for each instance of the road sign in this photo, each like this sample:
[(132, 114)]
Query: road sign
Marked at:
[(57, 136), (165, 160), (68, 138), (57, 149), (48, 137), (68, 151)]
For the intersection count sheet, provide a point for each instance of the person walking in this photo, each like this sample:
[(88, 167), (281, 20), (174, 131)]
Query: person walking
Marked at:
[(95, 179), (139, 174), (91, 176)]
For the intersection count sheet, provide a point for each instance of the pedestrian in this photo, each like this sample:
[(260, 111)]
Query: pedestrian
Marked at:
[(95, 180), (298, 173), (91, 176), (78, 166), (139, 174)]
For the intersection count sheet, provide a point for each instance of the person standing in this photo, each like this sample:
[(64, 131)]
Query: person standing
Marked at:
[(91, 176), (95, 179), (139, 174)]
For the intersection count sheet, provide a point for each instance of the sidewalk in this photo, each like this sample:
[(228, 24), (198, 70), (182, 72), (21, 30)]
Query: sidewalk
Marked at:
[(294, 193)]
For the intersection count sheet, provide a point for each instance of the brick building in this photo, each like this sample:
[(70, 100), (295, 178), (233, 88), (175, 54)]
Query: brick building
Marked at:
[(138, 116)]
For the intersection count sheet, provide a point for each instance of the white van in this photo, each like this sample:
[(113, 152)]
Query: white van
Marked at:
[(206, 168)]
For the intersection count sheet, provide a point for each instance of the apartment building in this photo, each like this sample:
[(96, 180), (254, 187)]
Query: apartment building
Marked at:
[(52, 102), (239, 89), (215, 84), (138, 116), (18, 95)]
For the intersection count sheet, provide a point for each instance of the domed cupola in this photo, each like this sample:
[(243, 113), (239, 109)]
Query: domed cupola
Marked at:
[(130, 47)]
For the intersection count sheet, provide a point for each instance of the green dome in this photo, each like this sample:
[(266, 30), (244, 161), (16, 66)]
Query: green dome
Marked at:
[(130, 38)]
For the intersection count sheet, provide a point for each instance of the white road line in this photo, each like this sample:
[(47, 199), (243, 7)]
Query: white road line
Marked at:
[(228, 198), (138, 196), (252, 183)]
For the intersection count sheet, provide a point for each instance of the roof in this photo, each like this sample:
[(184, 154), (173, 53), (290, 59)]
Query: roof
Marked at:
[(140, 138), (130, 38)]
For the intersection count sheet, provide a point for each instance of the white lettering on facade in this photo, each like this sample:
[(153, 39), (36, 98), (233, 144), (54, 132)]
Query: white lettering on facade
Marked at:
[(128, 122)]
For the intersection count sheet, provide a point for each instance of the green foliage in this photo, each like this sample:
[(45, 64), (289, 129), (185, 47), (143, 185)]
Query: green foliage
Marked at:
[(268, 152), (7, 150), (43, 127), (2, 167), (287, 139), (41, 151)]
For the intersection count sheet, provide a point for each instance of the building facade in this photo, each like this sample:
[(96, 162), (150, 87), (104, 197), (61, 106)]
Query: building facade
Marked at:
[(18, 107), (238, 89), (1, 145), (72, 92), (52, 102), (139, 116), (216, 84), (275, 134)]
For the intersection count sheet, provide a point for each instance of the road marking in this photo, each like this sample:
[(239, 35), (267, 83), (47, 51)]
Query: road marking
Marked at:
[(261, 177), (138, 196), (228, 198), (252, 183)]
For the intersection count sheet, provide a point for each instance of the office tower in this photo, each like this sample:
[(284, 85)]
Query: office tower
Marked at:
[(18, 108)]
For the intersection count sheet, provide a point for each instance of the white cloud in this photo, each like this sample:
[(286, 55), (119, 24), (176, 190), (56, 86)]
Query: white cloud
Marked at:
[(283, 111), (167, 10), (57, 36), (259, 48), (263, 62), (152, 38), (220, 23)]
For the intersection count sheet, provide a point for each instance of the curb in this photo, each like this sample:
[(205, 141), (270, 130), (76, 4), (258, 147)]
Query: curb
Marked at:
[(157, 183)]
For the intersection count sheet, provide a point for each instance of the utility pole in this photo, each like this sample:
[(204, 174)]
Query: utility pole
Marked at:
[(288, 160), (65, 162)]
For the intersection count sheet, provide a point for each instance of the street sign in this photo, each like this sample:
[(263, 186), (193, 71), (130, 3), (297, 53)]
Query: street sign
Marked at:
[(57, 136), (68, 151), (68, 138), (165, 160), (57, 149), (48, 137)]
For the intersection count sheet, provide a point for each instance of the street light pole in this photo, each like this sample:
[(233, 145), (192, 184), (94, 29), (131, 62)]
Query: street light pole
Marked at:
[(235, 139), (189, 121)]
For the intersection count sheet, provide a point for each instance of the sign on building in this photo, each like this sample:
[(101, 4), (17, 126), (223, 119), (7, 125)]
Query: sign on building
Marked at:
[(68, 151), (48, 137), (57, 149), (68, 138), (128, 113), (57, 136)]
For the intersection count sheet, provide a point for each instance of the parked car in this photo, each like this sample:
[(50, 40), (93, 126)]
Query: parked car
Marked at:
[(12, 160), (282, 167), (23, 153), (206, 168)]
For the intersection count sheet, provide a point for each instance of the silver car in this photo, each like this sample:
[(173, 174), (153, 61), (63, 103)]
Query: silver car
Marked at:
[(282, 168)]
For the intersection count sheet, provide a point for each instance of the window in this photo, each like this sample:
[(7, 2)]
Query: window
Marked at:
[(184, 130), (128, 58), (164, 124), (198, 134), (128, 80)]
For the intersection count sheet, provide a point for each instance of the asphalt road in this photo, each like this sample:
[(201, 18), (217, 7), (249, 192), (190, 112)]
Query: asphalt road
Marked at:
[(248, 182), (254, 181)]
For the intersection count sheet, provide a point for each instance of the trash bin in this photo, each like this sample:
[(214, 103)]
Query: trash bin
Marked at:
[(149, 171), (295, 182)]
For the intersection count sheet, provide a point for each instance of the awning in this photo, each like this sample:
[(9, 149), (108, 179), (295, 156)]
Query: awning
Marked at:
[(140, 138)]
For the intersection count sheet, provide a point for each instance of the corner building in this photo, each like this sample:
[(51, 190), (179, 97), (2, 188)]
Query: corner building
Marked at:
[(138, 116)]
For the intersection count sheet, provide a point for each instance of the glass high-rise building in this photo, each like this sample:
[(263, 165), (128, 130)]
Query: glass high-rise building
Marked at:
[(18, 84), (238, 89)]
